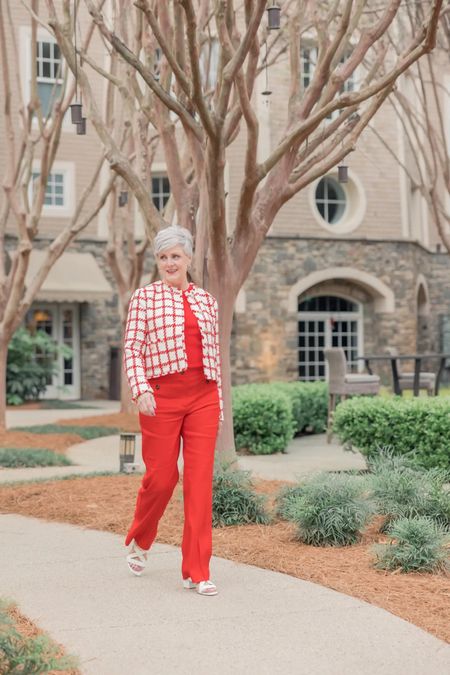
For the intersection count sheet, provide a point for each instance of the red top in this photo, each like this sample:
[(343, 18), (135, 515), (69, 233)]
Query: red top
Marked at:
[(192, 336)]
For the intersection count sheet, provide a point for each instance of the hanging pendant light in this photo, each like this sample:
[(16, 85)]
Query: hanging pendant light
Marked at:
[(76, 112), (76, 109), (273, 17), (81, 127), (343, 173), (123, 198)]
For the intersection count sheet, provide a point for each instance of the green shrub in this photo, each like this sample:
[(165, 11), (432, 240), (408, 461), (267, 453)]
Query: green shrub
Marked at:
[(309, 402), (26, 376), (262, 417), (85, 432), (330, 510), (28, 655), (417, 544), (235, 501), (286, 499), (17, 457), (405, 425), (401, 490)]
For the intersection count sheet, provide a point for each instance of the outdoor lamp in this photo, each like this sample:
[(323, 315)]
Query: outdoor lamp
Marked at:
[(76, 113), (343, 173), (274, 14), (123, 198), (127, 449), (81, 127)]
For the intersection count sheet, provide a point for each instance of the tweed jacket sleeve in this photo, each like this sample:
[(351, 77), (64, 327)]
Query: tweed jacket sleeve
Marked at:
[(218, 364), (135, 345)]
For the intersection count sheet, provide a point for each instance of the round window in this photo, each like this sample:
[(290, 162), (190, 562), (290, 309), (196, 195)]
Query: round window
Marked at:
[(330, 200)]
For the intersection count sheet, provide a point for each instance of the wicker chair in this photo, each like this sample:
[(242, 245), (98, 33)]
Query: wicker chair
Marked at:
[(343, 384), (406, 379)]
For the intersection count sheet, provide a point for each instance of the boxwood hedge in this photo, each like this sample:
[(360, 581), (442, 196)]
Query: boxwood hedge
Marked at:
[(418, 426), (267, 416)]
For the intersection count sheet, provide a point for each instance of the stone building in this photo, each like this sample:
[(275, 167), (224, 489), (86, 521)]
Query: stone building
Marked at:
[(357, 264)]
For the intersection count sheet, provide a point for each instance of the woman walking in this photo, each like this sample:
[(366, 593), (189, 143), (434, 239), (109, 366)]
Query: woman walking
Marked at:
[(172, 362)]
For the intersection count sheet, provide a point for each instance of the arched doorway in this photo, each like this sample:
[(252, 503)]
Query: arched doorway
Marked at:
[(327, 321)]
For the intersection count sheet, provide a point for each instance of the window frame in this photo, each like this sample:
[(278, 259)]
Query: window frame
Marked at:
[(67, 170), (160, 175), (325, 316), (355, 212), (25, 64), (326, 201)]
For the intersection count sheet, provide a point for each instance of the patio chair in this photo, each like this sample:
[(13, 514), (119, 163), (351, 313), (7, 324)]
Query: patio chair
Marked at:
[(406, 379), (343, 384)]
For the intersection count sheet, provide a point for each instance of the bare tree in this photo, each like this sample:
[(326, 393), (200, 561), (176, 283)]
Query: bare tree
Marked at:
[(421, 103), (32, 134), (198, 113)]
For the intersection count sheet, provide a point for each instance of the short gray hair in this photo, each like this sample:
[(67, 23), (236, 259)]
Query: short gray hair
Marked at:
[(171, 236)]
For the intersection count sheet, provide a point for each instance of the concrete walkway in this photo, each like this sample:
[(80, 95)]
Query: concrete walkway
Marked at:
[(74, 584)]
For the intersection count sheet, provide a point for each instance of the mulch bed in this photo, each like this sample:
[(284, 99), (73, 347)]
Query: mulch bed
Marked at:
[(124, 421), (24, 439), (107, 503)]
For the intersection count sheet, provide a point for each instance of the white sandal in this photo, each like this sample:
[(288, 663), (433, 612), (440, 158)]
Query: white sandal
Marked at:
[(136, 560), (202, 587)]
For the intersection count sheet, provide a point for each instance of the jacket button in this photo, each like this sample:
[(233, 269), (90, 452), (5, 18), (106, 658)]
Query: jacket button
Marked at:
[(156, 386)]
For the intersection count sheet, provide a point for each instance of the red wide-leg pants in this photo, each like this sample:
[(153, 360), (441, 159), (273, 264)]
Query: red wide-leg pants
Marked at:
[(187, 406)]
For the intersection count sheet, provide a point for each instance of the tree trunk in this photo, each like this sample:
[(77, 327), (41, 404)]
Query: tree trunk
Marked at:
[(225, 447), (3, 359)]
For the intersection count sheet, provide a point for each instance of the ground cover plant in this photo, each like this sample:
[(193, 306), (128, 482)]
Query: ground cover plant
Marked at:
[(421, 425), (417, 544), (328, 509), (401, 489), (235, 501), (286, 499), (28, 655), (31, 457)]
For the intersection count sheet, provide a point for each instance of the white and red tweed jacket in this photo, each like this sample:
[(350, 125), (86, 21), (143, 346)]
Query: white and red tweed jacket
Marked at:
[(154, 336)]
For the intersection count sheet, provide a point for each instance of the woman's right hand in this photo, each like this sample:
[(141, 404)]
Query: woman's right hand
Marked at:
[(146, 403)]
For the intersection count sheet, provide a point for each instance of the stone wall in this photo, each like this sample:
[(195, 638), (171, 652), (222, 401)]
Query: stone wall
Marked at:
[(265, 336)]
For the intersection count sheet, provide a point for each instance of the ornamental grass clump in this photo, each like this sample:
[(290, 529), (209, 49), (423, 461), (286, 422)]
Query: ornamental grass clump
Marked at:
[(401, 490), (286, 499), (235, 501), (330, 510), (29, 457), (27, 655), (417, 544)]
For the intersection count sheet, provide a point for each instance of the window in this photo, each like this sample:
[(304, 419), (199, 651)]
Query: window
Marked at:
[(54, 191), (160, 191), (327, 321), (48, 74), (59, 197), (330, 199), (308, 57), (209, 63)]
